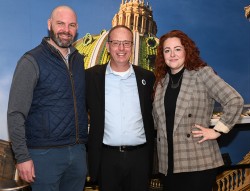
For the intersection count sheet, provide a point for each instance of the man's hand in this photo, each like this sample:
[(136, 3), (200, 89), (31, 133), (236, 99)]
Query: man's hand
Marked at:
[(26, 171)]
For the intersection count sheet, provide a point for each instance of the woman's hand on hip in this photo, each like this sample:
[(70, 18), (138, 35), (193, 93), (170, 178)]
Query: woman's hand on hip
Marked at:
[(205, 133)]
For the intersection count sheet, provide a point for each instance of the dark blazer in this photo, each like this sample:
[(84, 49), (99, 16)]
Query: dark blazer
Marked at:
[(95, 84)]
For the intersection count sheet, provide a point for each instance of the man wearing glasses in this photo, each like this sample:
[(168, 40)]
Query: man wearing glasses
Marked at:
[(119, 99)]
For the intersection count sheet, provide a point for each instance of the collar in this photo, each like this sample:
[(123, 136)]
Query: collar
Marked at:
[(110, 71)]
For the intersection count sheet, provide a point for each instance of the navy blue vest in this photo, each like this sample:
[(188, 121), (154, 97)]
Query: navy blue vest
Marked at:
[(58, 114)]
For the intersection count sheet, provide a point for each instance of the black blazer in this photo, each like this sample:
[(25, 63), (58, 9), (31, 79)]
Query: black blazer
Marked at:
[(95, 90)]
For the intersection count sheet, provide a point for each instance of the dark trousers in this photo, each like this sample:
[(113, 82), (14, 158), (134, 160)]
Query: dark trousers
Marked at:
[(195, 181), (125, 171), (59, 169)]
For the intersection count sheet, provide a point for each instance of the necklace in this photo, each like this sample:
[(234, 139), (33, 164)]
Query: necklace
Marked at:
[(176, 85)]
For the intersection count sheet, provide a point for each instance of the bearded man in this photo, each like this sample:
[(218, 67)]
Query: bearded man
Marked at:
[(47, 116)]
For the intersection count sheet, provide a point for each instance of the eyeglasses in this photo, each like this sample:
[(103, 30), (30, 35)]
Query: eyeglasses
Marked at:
[(125, 43)]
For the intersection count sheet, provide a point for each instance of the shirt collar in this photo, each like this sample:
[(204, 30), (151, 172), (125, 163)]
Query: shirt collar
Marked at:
[(67, 55), (110, 71)]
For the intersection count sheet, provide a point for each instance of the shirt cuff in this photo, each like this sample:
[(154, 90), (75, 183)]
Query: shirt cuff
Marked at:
[(221, 127)]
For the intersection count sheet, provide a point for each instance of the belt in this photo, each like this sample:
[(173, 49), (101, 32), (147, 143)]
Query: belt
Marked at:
[(124, 148)]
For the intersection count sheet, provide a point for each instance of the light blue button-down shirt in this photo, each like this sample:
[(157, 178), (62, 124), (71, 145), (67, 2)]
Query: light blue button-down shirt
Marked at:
[(123, 118)]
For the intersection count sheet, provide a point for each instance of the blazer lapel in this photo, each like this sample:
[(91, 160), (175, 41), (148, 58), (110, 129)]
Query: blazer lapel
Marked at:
[(188, 82), (140, 83), (99, 82)]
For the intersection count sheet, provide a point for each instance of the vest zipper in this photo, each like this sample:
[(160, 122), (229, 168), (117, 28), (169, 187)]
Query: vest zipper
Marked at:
[(73, 93), (75, 106)]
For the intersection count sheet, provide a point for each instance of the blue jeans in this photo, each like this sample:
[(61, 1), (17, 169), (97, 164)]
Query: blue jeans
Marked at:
[(59, 169)]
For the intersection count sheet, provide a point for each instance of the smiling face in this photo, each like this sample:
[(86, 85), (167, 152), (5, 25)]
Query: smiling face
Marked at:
[(174, 54), (119, 52), (62, 27)]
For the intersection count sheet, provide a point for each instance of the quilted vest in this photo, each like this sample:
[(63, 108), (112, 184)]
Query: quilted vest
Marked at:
[(57, 115)]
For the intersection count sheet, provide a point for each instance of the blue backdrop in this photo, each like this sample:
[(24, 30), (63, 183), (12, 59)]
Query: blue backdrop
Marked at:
[(219, 28)]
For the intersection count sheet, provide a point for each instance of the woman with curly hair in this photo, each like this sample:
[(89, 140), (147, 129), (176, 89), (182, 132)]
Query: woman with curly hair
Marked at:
[(185, 91)]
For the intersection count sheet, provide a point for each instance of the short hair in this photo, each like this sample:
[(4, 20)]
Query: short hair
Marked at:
[(119, 26)]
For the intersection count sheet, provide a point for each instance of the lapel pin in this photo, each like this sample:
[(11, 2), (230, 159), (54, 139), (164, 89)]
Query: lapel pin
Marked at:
[(143, 82)]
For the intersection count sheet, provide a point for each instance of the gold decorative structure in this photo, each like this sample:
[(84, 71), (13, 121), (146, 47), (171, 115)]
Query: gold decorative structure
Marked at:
[(235, 180), (138, 16)]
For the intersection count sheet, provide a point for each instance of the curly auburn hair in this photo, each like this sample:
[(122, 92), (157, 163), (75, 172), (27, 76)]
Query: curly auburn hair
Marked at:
[(192, 58)]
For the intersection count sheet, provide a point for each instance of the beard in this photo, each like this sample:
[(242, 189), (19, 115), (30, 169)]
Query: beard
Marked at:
[(59, 41)]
